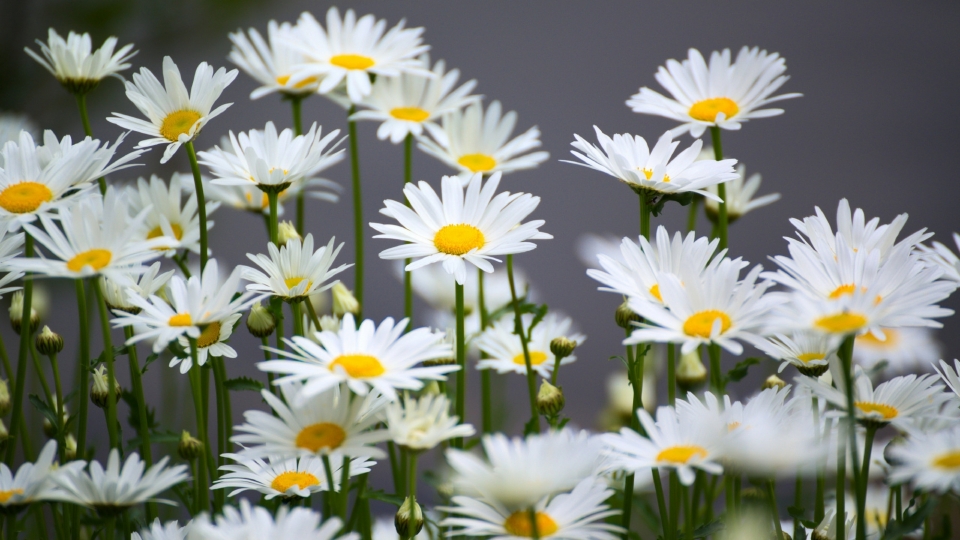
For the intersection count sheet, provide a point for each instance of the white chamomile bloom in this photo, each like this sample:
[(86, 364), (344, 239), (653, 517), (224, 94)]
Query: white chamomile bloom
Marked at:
[(810, 352), (740, 192), (903, 349), (473, 227), (382, 358), (827, 529), (941, 256), (76, 65), (141, 282), (472, 141), (350, 50), (324, 424), (247, 197), (628, 159), (407, 104), (578, 515), (505, 351), (171, 530), (174, 116), (32, 481), (295, 271), (10, 247), (854, 313), (168, 215), (212, 341), (719, 94), (11, 124), (436, 286), (951, 377), (422, 423), (270, 61), (284, 477), (930, 462), (256, 522)]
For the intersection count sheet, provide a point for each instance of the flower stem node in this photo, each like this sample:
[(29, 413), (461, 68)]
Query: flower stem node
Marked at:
[(260, 322), (189, 448), (343, 300), (5, 403), (286, 232), (49, 342), (691, 373), (409, 519), (100, 393), (550, 400), (774, 382), (561, 347), (626, 317), (16, 314)]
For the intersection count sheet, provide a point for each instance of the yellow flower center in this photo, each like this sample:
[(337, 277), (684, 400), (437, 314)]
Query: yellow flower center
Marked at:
[(316, 437), (178, 123), (264, 200), (359, 366), (732, 426), (94, 258), (282, 81), (458, 239), (536, 358), (950, 460), (7, 495), (808, 357), (287, 480), (870, 340), (655, 292), (477, 162), (294, 281), (841, 323), (24, 197), (209, 336), (708, 109), (681, 454), (181, 319), (701, 323), (412, 114), (649, 172), (157, 232), (886, 411), (352, 61), (520, 524), (842, 290)]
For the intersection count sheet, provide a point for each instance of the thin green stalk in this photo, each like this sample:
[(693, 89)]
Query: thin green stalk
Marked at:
[(273, 198), (899, 502), (345, 488), (846, 361), (108, 360), (840, 487), (461, 405), (486, 403), (722, 222), (819, 505), (219, 383), (627, 505), (865, 476), (61, 436), (671, 374), (395, 470), (674, 503), (25, 344), (520, 331), (136, 380), (296, 102), (219, 364), (203, 504), (44, 385), (534, 533), (687, 513), (357, 503), (85, 119), (357, 211), (407, 278), (716, 375), (109, 528), (661, 504), (412, 488), (201, 204), (730, 496), (774, 513), (644, 215), (698, 483), (328, 495), (797, 502), (297, 319), (692, 214)]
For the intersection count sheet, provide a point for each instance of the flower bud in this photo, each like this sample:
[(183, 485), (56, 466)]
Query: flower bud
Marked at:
[(774, 382), (5, 402), (48, 429), (190, 448), (329, 323), (49, 342), (260, 321), (16, 314), (561, 347), (550, 400), (4, 434), (287, 232), (889, 456), (409, 519), (626, 317), (69, 447), (691, 372), (343, 300), (432, 388), (100, 393)]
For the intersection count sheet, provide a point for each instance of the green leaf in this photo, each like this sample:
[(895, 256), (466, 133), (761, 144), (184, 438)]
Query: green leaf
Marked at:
[(739, 371), (380, 495), (798, 513), (149, 360), (708, 529), (44, 409), (911, 522), (117, 353), (243, 383)]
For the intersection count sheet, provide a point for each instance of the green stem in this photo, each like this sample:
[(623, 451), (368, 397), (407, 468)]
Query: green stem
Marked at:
[(84, 369), (846, 361), (357, 503), (644, 215), (220, 365), (865, 478), (109, 528), (136, 380), (61, 436), (661, 503), (222, 421), (296, 103), (674, 503), (201, 204), (357, 212), (840, 488), (671, 374), (328, 496), (21, 377), (716, 375), (203, 504), (395, 471), (85, 118), (412, 489), (687, 513), (692, 214), (345, 488), (461, 405), (486, 403), (722, 223), (627, 505), (297, 319), (273, 198), (108, 360), (774, 512), (524, 343), (819, 505)]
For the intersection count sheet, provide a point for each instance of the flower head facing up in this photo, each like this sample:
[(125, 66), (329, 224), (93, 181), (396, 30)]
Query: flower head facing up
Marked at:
[(505, 351), (271, 61), (461, 227), (258, 522), (174, 116), (720, 94), (76, 65), (422, 423), (169, 215), (294, 271)]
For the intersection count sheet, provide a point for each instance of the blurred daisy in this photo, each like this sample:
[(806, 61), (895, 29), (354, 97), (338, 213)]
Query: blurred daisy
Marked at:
[(351, 50), (258, 522), (940, 255), (32, 481), (167, 216), (619, 409), (407, 104), (324, 424), (809, 352), (903, 349), (719, 94), (505, 350), (930, 462), (141, 282), (76, 65), (246, 197), (739, 196), (827, 529), (951, 377), (10, 247), (472, 141), (472, 227), (11, 124), (436, 286), (270, 61), (284, 477), (381, 358), (174, 116), (628, 159), (577, 515), (159, 531), (422, 423), (295, 271), (854, 313)]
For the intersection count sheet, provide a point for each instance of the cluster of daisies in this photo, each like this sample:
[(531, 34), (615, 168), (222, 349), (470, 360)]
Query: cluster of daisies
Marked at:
[(852, 304)]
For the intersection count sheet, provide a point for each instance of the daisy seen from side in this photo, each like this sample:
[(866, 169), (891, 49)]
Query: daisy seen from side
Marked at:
[(809, 352), (505, 351), (930, 462), (740, 192), (294, 271), (270, 61), (284, 477), (76, 65), (169, 215), (419, 424)]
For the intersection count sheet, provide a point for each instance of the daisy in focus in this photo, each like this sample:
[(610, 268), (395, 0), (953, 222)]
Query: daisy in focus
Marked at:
[(740, 192), (258, 522), (462, 227), (722, 94), (929, 461), (76, 65), (284, 477), (168, 215), (294, 271), (420, 424), (270, 61), (505, 350), (174, 116)]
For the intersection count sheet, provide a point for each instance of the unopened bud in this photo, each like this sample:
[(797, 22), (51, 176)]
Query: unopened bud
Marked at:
[(889, 456), (287, 232), (626, 317), (70, 447), (49, 342), (550, 400), (343, 300), (4, 434), (16, 314), (815, 371), (409, 519), (329, 323), (432, 388), (260, 322), (190, 448), (774, 382), (561, 347), (48, 428), (691, 372), (5, 402), (100, 393)]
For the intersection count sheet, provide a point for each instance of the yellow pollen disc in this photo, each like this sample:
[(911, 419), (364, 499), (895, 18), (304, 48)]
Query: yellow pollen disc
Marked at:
[(700, 324), (177, 123), (536, 358), (294, 281), (181, 319), (282, 81), (886, 411), (870, 340), (287, 480), (518, 524), (209, 336), (458, 239), (649, 172), (319, 436), (413, 114), (352, 61), (708, 109), (477, 162), (7, 495), (94, 258), (732, 426), (359, 366), (841, 323), (808, 357), (950, 460), (24, 197), (655, 292), (157, 232), (681, 454), (842, 290)]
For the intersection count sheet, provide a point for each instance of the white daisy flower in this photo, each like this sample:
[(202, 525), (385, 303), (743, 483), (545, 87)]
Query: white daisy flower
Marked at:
[(854, 313), (472, 227), (257, 522), (506, 351), (721, 94), (577, 515), (295, 271), (32, 481), (739, 196), (951, 377), (117, 488), (270, 61), (619, 409), (284, 477), (472, 142), (930, 462), (329, 423), (76, 65), (10, 247), (381, 358), (423, 423), (174, 116), (827, 529), (407, 104), (247, 197), (941, 256), (11, 124), (903, 349), (168, 216), (810, 352), (142, 282), (160, 531), (212, 341), (518, 473), (436, 287), (350, 50)]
